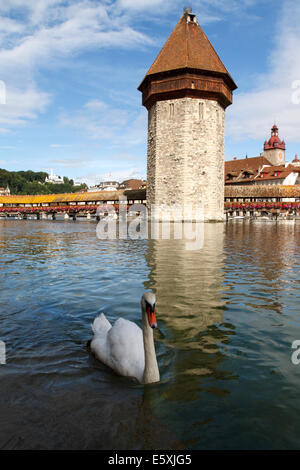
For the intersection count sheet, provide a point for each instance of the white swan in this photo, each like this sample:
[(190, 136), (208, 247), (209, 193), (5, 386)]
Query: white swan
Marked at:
[(126, 348)]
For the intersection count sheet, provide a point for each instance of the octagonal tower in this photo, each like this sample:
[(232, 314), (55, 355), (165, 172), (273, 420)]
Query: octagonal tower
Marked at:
[(186, 92)]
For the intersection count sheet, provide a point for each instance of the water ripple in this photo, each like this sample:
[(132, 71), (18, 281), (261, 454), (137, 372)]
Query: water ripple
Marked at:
[(227, 315)]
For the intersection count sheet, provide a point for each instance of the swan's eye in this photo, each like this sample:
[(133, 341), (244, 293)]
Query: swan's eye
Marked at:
[(150, 307)]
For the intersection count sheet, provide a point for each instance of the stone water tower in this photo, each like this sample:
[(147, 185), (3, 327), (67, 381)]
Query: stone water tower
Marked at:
[(186, 92)]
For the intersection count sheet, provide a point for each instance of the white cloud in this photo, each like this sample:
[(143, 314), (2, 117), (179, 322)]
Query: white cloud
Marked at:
[(21, 105), (71, 162), (60, 145), (9, 26), (135, 133), (44, 32), (68, 29), (99, 121), (40, 32), (3, 130), (95, 105), (96, 125), (142, 4), (207, 10), (254, 112), (119, 175)]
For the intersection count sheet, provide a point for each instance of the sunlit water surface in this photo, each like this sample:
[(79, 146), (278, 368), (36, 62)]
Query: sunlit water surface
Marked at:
[(227, 316)]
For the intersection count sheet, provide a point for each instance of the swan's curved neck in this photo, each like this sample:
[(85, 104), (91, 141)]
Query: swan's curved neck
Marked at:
[(151, 372)]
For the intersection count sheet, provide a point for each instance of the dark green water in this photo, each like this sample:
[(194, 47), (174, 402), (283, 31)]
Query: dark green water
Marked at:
[(227, 317)]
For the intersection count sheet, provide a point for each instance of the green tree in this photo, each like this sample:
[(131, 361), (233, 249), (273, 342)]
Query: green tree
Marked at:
[(31, 182)]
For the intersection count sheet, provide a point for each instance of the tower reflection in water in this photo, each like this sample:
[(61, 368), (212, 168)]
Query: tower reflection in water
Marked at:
[(190, 305)]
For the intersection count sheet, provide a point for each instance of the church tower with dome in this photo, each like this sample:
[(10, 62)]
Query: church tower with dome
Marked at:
[(274, 148)]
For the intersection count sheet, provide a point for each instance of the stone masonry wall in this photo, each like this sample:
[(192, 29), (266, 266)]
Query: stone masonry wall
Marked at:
[(186, 155)]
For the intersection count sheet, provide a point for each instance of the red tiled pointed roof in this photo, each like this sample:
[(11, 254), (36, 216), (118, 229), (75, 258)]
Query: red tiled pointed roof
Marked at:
[(187, 67), (188, 47)]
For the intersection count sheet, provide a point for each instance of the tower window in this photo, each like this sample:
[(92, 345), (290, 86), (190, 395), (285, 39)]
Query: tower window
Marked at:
[(201, 111), (192, 18), (171, 109)]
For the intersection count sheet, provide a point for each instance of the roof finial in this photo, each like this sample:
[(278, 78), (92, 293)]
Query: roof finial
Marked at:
[(187, 9)]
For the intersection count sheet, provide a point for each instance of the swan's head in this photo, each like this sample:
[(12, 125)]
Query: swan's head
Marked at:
[(148, 302)]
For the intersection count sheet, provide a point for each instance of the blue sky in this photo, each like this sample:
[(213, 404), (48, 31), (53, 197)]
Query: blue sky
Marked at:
[(71, 70)]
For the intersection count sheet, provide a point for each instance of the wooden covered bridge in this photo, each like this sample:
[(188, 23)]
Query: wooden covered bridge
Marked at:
[(72, 204), (247, 200)]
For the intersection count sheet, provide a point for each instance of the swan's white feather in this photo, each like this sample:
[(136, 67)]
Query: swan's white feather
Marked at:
[(101, 324), (120, 346)]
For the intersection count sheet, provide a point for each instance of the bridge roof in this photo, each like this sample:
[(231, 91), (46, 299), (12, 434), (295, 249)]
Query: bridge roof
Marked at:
[(245, 191), (262, 190), (73, 197)]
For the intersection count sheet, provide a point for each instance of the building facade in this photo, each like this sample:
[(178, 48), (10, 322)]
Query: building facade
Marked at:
[(54, 179), (104, 186), (270, 168), (5, 191)]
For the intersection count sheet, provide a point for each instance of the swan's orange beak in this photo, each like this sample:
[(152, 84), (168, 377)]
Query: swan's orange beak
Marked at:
[(151, 316)]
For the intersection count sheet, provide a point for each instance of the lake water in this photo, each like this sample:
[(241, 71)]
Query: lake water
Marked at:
[(227, 316)]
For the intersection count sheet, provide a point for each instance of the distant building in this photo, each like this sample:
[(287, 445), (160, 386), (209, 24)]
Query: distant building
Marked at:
[(296, 161), (131, 184), (93, 189), (269, 168), (109, 186), (5, 191), (245, 170), (104, 186), (274, 148), (54, 179)]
